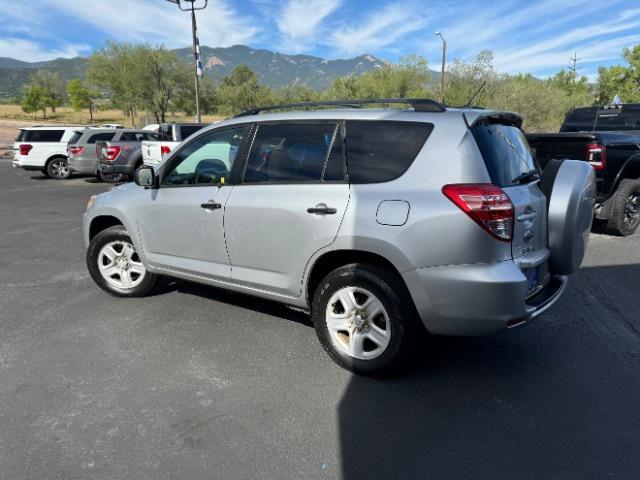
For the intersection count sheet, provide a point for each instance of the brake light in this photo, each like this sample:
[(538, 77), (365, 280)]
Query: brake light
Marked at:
[(165, 150), (597, 156), (25, 148), (110, 153), (487, 205), (75, 150)]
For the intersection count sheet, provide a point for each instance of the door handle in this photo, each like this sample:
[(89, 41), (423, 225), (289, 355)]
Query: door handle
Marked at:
[(211, 206), (523, 217), (322, 210)]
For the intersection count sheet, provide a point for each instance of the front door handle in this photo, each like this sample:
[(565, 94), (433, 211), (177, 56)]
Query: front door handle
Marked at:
[(211, 206), (322, 210)]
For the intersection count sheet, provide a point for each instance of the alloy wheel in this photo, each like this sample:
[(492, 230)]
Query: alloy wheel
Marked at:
[(120, 265)]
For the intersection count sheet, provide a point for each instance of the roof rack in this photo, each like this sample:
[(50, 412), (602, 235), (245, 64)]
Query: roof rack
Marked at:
[(418, 104)]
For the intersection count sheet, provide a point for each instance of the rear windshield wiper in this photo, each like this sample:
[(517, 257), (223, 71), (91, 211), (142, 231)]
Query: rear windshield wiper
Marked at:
[(526, 177)]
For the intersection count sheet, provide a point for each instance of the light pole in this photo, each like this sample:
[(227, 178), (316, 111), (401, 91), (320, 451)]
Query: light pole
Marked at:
[(444, 56), (196, 43)]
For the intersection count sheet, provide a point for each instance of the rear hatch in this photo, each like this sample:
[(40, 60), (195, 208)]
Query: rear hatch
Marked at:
[(512, 167)]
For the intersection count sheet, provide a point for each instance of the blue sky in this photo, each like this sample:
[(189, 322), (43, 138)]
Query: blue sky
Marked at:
[(525, 36)]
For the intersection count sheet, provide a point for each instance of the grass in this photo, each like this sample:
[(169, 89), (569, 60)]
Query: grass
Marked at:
[(66, 115)]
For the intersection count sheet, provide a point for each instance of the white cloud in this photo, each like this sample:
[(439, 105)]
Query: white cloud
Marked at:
[(157, 21), (379, 30), (299, 22), (29, 51)]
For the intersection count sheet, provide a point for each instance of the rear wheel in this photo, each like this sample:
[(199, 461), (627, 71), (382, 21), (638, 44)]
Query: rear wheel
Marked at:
[(115, 265), (58, 169), (625, 214), (364, 319)]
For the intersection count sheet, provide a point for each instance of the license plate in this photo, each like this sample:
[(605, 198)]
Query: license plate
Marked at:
[(532, 279)]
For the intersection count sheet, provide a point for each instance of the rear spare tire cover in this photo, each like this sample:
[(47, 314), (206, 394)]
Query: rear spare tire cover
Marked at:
[(570, 215)]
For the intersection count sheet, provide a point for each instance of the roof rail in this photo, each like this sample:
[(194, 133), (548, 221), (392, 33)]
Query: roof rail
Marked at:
[(418, 104)]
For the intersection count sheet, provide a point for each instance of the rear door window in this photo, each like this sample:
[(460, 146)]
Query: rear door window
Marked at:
[(380, 151), (290, 153), (75, 136), (35, 136), (505, 151)]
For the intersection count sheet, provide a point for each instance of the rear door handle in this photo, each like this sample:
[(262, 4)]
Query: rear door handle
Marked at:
[(524, 217), (211, 206), (322, 210)]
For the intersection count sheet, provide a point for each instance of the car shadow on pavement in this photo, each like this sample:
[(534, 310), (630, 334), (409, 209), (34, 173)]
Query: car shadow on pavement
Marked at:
[(254, 304), (546, 401)]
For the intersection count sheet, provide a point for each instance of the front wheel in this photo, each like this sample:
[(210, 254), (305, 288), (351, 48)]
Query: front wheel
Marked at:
[(625, 214), (364, 319), (58, 169), (115, 265)]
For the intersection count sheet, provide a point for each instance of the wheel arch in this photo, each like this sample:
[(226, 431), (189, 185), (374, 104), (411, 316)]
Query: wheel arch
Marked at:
[(53, 157), (102, 222), (630, 169), (333, 259)]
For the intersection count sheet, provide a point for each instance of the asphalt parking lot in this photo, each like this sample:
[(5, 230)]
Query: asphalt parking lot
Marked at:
[(198, 383)]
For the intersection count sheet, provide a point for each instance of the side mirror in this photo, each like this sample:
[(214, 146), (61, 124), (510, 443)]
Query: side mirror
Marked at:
[(145, 177)]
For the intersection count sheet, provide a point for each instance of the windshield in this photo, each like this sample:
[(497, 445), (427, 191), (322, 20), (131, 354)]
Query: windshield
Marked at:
[(506, 154)]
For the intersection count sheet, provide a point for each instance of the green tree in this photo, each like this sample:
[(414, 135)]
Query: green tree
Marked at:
[(466, 79), (52, 84), (82, 96), (621, 80), (35, 99), (240, 91), (575, 86)]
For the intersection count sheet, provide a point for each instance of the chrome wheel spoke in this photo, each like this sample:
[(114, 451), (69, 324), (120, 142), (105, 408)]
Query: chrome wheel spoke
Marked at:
[(377, 335), (137, 268), (356, 344), (347, 300)]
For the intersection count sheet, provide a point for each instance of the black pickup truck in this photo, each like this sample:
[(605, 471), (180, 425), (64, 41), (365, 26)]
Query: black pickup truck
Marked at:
[(609, 139)]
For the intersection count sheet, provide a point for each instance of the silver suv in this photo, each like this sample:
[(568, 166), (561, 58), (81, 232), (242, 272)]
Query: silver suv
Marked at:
[(378, 221)]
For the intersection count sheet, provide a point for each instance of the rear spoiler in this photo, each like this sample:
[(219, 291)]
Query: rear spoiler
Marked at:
[(475, 117)]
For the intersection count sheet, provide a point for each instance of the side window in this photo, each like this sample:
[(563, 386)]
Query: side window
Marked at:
[(207, 160), (52, 136), (100, 137), (292, 152), (380, 151), (188, 130)]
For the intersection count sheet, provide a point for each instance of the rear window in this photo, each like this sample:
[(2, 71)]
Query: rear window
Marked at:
[(603, 119), (35, 136), (165, 133), (188, 130), (106, 137), (505, 151), (75, 136), (380, 151), (137, 136)]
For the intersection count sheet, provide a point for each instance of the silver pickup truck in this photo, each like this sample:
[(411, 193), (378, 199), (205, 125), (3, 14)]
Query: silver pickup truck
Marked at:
[(170, 135), (120, 157)]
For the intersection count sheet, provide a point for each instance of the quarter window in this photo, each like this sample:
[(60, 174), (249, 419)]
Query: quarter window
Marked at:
[(292, 152), (34, 136), (206, 160), (380, 151)]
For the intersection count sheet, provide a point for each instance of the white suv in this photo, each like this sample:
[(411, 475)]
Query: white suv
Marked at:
[(44, 149)]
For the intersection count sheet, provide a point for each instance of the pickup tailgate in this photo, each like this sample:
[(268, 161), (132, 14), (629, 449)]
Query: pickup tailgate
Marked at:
[(573, 146), (153, 152)]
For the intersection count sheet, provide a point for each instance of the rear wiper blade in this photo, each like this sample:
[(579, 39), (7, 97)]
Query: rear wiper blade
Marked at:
[(526, 177)]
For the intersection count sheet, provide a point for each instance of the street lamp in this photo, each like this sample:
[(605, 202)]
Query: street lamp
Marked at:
[(444, 55), (192, 6)]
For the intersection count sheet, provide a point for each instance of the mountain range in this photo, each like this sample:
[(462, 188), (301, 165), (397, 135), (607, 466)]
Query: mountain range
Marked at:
[(274, 69)]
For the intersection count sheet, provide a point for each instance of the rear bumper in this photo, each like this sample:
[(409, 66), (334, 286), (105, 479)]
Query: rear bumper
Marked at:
[(19, 164), (78, 165), (473, 300), (109, 168)]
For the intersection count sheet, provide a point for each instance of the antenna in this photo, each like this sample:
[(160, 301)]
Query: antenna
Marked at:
[(574, 65), (473, 97)]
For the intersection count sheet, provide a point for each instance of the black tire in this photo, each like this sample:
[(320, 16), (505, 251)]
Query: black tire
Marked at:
[(391, 292), (112, 177), (57, 168), (625, 211), (111, 234)]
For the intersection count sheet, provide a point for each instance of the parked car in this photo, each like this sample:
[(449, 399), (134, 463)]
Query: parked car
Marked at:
[(609, 140), (44, 149), (169, 136), (81, 149), (380, 222), (120, 157)]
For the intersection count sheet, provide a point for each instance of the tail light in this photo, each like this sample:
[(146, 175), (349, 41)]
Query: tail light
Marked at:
[(25, 148), (75, 150), (487, 205), (110, 153), (597, 156), (165, 150)]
